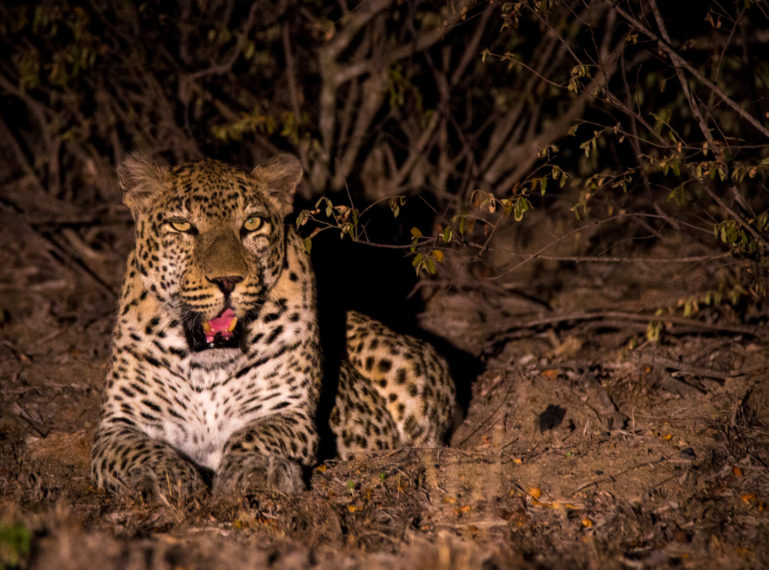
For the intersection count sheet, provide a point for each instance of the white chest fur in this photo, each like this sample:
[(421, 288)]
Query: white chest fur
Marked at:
[(206, 424)]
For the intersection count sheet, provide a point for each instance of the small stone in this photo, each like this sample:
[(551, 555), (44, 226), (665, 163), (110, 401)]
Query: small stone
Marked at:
[(688, 453)]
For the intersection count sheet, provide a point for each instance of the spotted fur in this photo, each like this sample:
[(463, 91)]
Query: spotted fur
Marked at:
[(394, 391), (179, 406)]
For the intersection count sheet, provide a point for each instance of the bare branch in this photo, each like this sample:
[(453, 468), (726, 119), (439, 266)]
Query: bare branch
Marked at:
[(682, 81), (559, 127), (679, 61), (292, 87)]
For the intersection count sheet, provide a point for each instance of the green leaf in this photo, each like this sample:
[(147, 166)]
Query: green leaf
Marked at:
[(394, 207), (522, 205), (678, 195), (653, 331), (248, 51)]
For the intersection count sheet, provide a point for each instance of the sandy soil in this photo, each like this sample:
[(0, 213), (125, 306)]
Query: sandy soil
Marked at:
[(584, 444)]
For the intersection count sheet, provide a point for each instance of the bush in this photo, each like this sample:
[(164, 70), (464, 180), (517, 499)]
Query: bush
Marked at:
[(484, 111)]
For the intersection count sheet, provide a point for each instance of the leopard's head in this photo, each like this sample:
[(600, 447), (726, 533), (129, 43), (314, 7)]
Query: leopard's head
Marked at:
[(210, 239)]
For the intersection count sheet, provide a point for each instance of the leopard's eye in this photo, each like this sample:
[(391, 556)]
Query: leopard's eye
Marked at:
[(253, 223), (180, 225)]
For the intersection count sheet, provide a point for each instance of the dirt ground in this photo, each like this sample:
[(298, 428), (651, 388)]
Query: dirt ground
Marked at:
[(584, 445)]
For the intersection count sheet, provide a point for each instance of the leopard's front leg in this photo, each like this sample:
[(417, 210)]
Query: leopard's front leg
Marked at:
[(125, 459), (267, 454)]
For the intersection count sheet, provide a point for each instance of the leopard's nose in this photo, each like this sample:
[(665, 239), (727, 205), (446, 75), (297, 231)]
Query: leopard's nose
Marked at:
[(226, 283)]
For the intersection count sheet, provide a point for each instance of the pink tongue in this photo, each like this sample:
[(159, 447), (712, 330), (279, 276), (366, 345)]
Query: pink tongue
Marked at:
[(222, 324)]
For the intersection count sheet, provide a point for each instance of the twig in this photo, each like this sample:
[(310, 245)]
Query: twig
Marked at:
[(79, 263), (502, 147), (335, 74), (600, 259), (353, 23), (226, 65), (722, 57), (21, 158), (656, 360), (471, 51), (561, 125), (487, 420), (374, 89), (37, 424), (329, 71), (678, 60), (539, 254), (292, 88), (682, 80), (580, 316), (677, 65), (736, 215), (614, 477)]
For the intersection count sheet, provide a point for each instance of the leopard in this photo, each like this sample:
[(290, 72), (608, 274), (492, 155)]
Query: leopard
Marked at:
[(217, 367)]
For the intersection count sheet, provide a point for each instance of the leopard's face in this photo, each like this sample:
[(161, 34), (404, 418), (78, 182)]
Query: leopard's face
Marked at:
[(210, 246)]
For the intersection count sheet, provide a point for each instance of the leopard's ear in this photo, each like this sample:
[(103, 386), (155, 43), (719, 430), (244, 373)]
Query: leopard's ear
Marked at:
[(279, 178), (141, 179)]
